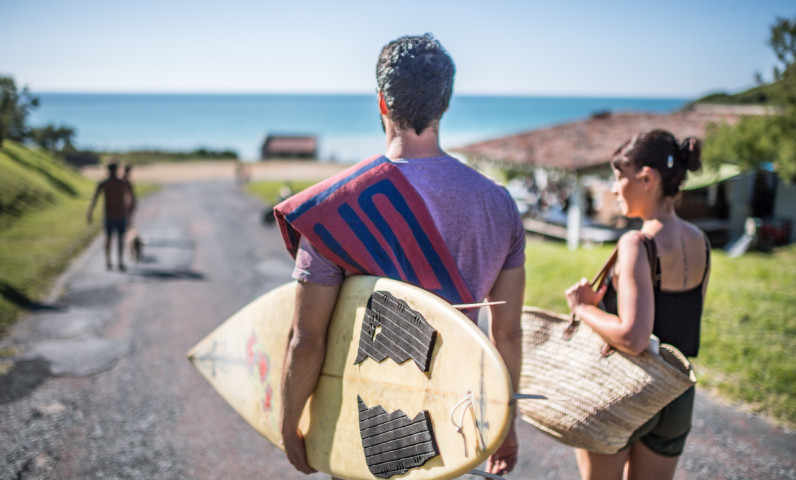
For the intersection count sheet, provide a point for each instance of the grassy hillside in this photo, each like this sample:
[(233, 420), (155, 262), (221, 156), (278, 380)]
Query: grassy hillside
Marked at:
[(42, 225), (760, 95)]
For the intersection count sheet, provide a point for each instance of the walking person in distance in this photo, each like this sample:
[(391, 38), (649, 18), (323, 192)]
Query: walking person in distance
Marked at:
[(119, 203)]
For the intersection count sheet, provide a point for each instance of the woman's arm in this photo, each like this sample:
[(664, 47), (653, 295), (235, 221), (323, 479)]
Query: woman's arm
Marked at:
[(629, 331)]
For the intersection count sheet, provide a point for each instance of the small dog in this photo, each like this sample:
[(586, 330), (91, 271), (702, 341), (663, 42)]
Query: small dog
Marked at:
[(136, 245)]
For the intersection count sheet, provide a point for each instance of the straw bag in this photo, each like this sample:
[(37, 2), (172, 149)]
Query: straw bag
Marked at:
[(585, 394)]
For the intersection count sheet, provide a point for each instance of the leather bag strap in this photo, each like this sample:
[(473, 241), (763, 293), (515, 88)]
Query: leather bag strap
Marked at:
[(602, 275), (596, 283), (652, 256)]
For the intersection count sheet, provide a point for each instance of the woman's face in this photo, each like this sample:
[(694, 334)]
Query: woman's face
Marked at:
[(628, 189)]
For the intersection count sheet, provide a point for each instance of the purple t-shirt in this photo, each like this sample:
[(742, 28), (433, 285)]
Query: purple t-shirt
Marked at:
[(477, 218)]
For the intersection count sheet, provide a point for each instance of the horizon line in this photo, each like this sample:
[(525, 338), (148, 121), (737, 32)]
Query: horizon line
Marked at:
[(365, 93)]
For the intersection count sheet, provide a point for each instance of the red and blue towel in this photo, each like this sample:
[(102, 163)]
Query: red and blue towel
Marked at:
[(369, 219)]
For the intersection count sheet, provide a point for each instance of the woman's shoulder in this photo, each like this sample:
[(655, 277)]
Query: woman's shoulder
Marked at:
[(633, 245), (632, 240)]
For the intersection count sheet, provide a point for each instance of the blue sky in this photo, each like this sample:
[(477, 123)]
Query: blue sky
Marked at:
[(676, 48)]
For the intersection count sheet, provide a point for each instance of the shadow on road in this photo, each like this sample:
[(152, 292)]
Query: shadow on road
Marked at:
[(21, 300), (24, 377), (165, 274), (172, 243), (146, 261)]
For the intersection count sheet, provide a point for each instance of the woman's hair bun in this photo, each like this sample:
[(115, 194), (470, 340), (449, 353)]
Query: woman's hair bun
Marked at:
[(690, 153)]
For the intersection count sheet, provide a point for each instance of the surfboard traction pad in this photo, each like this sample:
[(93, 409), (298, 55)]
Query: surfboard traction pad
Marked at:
[(392, 329), (394, 443)]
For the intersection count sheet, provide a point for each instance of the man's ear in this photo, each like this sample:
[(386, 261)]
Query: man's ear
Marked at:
[(383, 104)]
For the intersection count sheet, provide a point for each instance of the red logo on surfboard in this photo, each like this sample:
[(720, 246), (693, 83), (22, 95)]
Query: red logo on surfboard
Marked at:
[(258, 364)]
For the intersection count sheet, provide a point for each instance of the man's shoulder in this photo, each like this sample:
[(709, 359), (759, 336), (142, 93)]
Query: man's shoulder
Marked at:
[(473, 178)]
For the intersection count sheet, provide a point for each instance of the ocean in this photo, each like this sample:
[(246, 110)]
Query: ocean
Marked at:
[(347, 126)]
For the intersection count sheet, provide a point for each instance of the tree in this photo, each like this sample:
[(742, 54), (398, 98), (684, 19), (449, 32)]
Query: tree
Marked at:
[(760, 142), (54, 139), (14, 106)]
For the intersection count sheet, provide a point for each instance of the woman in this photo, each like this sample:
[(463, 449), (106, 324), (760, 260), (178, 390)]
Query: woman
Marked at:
[(649, 171)]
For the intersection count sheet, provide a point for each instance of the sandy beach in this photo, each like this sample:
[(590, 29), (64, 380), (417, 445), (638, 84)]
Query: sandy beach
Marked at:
[(177, 172)]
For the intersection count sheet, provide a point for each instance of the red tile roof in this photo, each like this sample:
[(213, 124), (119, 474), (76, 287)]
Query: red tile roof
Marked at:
[(592, 142)]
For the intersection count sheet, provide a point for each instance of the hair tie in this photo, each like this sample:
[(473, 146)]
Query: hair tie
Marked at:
[(670, 162)]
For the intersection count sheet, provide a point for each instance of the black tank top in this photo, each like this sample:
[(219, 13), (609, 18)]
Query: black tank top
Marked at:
[(677, 314)]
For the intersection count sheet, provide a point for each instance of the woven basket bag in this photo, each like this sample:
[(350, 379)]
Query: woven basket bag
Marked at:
[(585, 394)]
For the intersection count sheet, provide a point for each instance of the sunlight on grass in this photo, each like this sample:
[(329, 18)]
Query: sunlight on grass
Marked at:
[(268, 191), (749, 331), (551, 268), (38, 247)]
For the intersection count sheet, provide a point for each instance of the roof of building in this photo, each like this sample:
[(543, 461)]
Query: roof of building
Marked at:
[(590, 143), (290, 144)]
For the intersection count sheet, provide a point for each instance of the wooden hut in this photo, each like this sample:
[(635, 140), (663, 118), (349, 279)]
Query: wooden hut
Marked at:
[(290, 146), (584, 148)]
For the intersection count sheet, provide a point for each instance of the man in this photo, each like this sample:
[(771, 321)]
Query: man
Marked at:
[(414, 214), (119, 203)]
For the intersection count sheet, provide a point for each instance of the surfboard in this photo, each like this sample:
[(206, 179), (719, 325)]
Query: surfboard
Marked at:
[(410, 387)]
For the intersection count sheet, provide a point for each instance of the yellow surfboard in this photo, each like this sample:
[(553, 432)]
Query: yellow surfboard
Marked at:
[(410, 387)]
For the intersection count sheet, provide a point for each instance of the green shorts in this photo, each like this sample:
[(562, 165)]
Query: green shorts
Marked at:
[(665, 433)]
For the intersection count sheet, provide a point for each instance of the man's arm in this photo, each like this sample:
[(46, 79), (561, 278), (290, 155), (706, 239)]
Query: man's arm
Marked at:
[(93, 202), (506, 335), (303, 362)]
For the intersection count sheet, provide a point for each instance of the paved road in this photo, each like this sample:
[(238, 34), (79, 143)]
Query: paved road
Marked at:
[(100, 387)]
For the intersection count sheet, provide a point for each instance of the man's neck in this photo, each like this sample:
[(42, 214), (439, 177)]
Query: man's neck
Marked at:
[(408, 144)]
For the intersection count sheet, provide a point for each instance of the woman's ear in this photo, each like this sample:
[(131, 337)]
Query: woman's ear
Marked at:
[(646, 175)]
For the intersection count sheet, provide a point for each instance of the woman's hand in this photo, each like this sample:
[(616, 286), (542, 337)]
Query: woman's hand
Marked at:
[(582, 294)]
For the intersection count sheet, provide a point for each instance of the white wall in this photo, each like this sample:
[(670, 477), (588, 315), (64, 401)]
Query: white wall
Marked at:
[(785, 205), (739, 195)]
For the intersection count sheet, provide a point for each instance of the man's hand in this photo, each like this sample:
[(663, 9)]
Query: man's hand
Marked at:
[(303, 362), (296, 453), (504, 459), (506, 333)]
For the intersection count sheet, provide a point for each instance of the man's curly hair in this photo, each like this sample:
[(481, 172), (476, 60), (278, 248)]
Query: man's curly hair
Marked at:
[(415, 75)]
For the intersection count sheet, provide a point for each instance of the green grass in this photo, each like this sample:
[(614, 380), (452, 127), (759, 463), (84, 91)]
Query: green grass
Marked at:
[(148, 157), (43, 205), (268, 191), (748, 343), (551, 268), (749, 331), (31, 181), (767, 94), (42, 224)]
